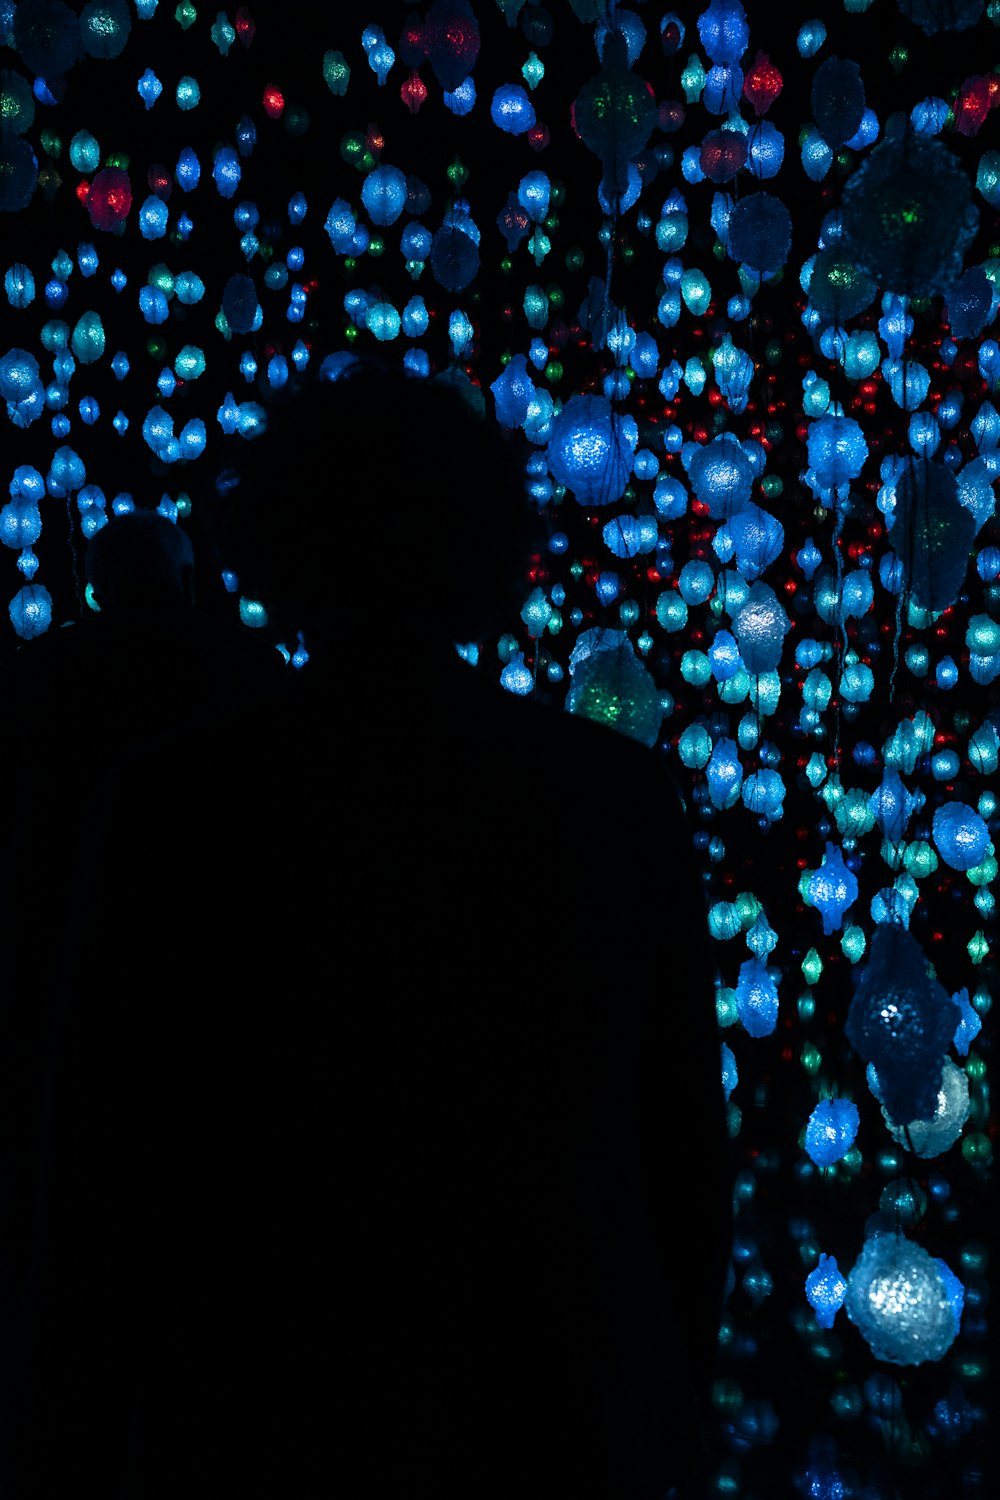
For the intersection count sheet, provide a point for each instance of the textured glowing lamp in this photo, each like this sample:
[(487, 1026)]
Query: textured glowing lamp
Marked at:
[(831, 1132), (590, 450), (826, 1288), (899, 1301)]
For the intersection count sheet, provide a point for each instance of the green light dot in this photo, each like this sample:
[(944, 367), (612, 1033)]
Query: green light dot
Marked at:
[(376, 245), (185, 15), (812, 966), (977, 947), (811, 1058), (553, 371), (977, 1149)]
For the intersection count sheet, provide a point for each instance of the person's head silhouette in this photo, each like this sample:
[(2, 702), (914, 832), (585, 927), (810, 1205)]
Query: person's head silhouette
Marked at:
[(140, 562), (379, 505)]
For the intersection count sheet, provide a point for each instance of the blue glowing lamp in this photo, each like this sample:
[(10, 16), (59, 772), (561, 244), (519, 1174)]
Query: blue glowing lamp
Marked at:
[(969, 1023), (590, 450), (19, 375), (721, 475), (893, 806), (970, 303), (31, 611), (837, 450), (961, 835), (511, 109), (765, 149), (898, 1300), (756, 999), (724, 774), (20, 523), (730, 1075), (460, 101), (19, 285), (630, 536), (66, 473), (724, 31), (832, 889), (153, 218), (757, 539), (513, 392), (763, 794), (901, 1021), (383, 194), (533, 193), (826, 1288), (831, 1131), (760, 626)]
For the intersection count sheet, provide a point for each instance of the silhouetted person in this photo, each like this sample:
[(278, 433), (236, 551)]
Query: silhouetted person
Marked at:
[(389, 1156)]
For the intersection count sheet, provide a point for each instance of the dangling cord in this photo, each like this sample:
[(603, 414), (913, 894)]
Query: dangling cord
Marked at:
[(80, 597), (841, 628)]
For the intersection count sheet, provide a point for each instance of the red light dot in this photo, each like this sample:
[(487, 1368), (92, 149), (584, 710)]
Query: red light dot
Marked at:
[(274, 102)]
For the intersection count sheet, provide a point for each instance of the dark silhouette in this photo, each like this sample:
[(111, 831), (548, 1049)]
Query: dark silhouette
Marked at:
[(386, 1152)]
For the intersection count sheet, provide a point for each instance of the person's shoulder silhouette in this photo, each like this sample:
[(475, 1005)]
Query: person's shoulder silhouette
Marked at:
[(428, 1120)]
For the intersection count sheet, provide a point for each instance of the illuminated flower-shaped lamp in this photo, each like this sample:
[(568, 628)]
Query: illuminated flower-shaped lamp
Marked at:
[(760, 626), (899, 1301), (31, 611), (826, 1288), (721, 475), (756, 999), (591, 449), (961, 835), (831, 1131), (833, 889)]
